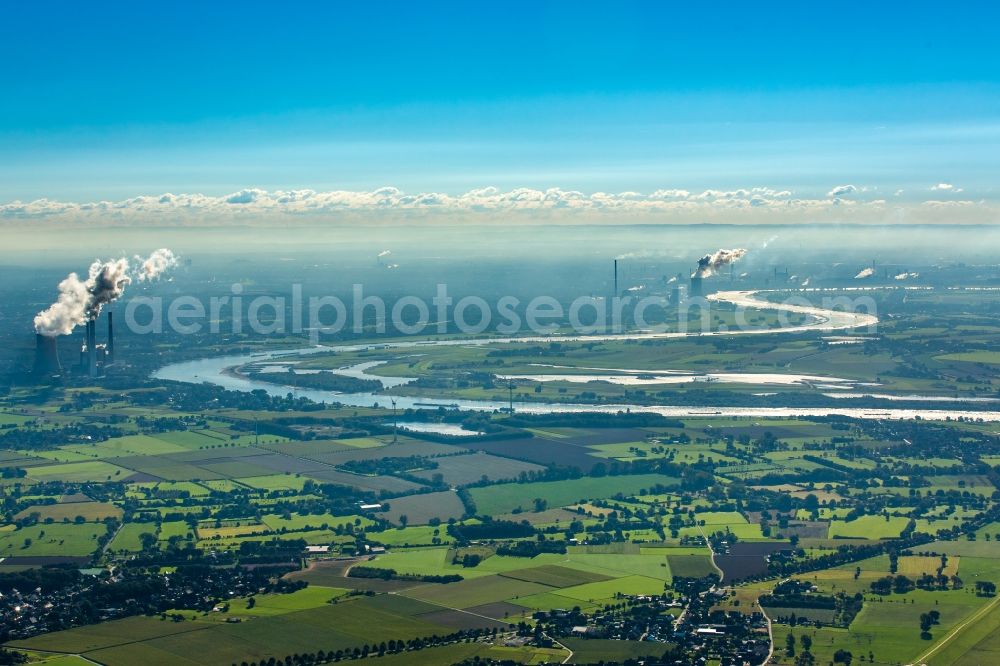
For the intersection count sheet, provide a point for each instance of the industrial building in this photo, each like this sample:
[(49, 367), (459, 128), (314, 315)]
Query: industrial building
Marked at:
[(94, 356)]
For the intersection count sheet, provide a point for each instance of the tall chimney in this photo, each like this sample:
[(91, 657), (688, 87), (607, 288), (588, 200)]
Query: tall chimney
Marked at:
[(110, 348), (92, 347), (46, 355), (616, 279)]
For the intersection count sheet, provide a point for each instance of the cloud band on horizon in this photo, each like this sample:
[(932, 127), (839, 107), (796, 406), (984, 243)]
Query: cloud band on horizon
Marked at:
[(844, 203)]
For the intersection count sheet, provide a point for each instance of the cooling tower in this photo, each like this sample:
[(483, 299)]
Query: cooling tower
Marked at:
[(46, 355)]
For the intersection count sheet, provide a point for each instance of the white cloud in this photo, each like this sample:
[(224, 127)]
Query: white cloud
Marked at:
[(252, 205), (842, 190), (945, 187)]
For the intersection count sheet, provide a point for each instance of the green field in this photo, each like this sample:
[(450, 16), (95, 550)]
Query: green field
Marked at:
[(55, 540), (632, 507), (89, 511), (496, 500), (868, 527)]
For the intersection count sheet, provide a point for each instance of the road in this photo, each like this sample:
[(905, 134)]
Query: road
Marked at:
[(113, 536), (982, 612), (770, 629)]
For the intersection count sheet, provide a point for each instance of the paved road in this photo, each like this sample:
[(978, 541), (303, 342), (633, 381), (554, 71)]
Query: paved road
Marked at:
[(982, 612)]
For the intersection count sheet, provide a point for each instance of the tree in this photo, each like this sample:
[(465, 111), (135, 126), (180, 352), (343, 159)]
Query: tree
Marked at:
[(928, 620), (843, 657), (9, 657), (805, 659), (902, 585), (790, 645), (882, 586), (148, 540)]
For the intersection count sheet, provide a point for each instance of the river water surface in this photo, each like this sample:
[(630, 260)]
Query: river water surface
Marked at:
[(220, 372)]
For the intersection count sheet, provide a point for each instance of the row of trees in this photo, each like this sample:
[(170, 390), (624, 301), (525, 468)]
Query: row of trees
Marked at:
[(391, 646)]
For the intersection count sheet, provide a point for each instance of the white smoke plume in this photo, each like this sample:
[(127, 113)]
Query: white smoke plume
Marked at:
[(158, 262), (866, 273), (69, 310), (907, 276), (708, 264), (81, 300), (384, 253)]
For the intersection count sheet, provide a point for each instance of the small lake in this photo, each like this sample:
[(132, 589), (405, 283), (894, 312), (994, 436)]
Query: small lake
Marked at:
[(450, 429)]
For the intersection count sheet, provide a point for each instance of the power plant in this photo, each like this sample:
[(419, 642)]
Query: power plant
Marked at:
[(710, 264), (94, 356), (81, 301)]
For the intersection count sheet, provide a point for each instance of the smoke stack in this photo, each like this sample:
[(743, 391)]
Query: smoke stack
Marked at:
[(46, 355), (110, 348), (92, 347), (616, 278)]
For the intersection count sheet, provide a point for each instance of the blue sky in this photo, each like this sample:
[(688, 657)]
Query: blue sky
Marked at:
[(114, 100)]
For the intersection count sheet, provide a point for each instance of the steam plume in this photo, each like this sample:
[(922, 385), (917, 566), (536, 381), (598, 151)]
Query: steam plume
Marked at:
[(81, 300), (708, 264), (158, 262), (107, 283), (907, 276), (69, 310), (866, 273), (384, 253)]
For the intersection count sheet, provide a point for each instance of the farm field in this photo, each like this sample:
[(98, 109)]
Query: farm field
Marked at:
[(314, 527), (495, 500)]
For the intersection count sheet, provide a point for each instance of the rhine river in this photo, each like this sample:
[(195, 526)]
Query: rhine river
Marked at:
[(220, 371)]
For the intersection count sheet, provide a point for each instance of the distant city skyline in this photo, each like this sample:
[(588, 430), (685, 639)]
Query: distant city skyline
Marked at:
[(876, 114)]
